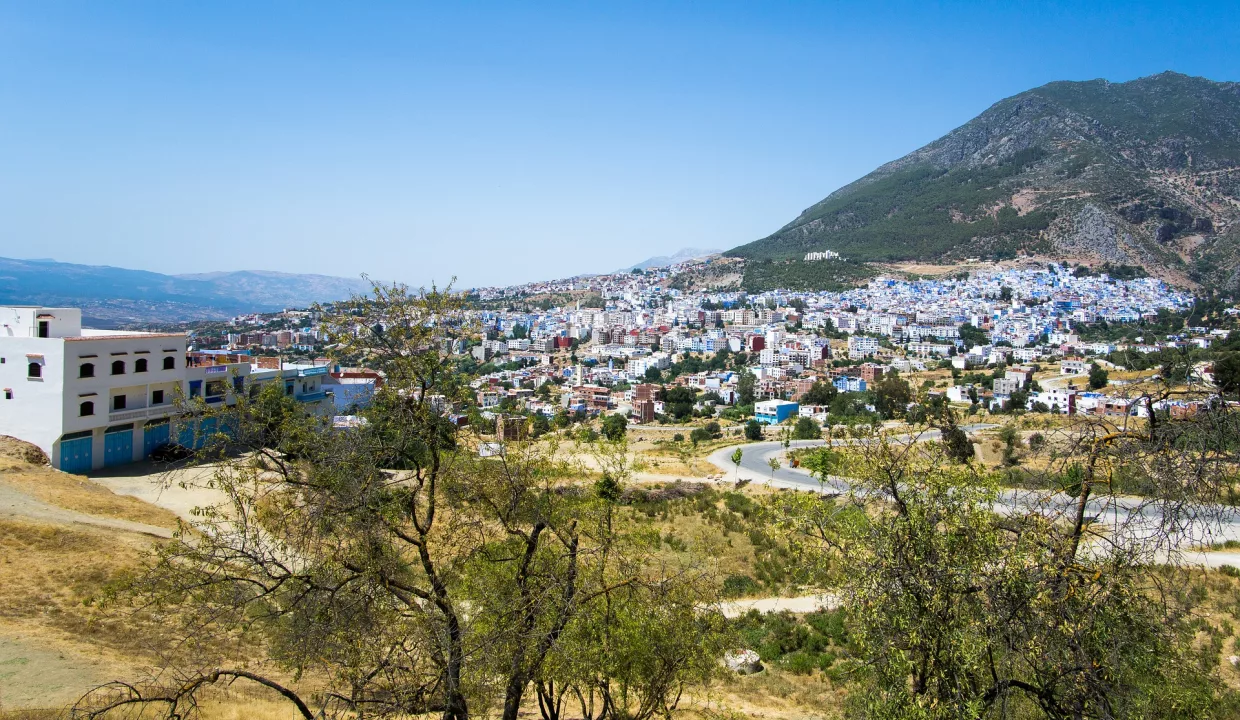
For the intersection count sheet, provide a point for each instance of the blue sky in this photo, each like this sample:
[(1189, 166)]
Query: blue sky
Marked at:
[(503, 142)]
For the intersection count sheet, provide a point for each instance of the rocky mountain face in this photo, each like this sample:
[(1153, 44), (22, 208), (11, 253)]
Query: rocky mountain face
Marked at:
[(1143, 173)]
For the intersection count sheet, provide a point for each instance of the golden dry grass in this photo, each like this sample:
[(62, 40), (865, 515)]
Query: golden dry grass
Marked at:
[(74, 492)]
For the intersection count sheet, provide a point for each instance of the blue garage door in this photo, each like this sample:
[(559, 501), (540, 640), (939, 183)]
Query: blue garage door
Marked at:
[(118, 445), (156, 433), (76, 453)]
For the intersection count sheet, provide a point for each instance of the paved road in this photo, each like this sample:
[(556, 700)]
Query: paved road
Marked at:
[(1132, 514), (754, 459)]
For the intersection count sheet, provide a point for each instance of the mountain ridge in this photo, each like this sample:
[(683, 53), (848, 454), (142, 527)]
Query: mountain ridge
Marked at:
[(681, 255), (1144, 172), (114, 296)]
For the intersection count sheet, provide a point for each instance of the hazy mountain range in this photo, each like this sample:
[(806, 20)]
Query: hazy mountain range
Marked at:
[(682, 255), (112, 296), (1143, 173)]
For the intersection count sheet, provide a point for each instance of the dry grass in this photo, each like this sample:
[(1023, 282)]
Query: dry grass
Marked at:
[(74, 492)]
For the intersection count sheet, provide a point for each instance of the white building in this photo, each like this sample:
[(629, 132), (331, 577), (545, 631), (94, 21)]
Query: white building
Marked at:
[(97, 398), (859, 346), (88, 398)]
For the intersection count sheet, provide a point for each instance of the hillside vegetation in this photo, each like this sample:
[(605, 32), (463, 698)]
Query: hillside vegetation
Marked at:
[(1144, 173)]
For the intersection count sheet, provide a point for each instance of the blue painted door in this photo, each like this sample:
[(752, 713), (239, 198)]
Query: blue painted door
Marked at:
[(155, 435), (76, 455), (118, 446)]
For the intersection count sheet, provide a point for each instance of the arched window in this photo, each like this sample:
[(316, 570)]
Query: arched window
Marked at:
[(118, 367), (87, 370), (34, 370), (170, 363), (139, 365), (86, 409)]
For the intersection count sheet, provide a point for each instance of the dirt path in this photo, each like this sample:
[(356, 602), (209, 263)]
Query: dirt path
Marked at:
[(35, 675), (164, 489), (803, 604), (14, 503)]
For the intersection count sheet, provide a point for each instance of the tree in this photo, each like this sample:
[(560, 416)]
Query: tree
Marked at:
[(653, 375), (820, 393), (1098, 377), (807, 429), (1071, 623), (737, 454), (957, 443), (971, 335), (1010, 440), (390, 567), (753, 431), (1227, 372), (773, 464), (745, 388), (891, 396), (614, 427)]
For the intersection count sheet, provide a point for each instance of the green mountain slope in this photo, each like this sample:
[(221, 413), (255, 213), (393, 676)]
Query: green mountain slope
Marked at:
[(1145, 172)]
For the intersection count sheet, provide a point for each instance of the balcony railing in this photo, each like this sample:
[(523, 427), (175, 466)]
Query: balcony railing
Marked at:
[(312, 397), (151, 412)]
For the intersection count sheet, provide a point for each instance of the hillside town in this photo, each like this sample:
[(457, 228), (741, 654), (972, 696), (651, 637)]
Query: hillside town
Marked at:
[(625, 343)]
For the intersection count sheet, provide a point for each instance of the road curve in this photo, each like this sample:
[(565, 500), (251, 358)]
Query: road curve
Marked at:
[(1130, 513)]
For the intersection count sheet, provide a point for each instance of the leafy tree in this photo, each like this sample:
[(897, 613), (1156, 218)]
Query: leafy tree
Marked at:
[(653, 375), (699, 435), (972, 335), (891, 396), (820, 393), (393, 570), (753, 431), (745, 388), (1098, 377), (1227, 373), (737, 454), (614, 427), (773, 463), (957, 443), (807, 429), (1063, 626)]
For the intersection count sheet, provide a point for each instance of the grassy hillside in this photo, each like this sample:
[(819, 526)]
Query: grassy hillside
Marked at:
[(1144, 173)]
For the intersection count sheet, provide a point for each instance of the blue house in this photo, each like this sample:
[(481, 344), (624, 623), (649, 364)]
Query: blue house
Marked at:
[(773, 412)]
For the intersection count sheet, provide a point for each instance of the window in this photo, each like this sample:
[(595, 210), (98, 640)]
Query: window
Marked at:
[(86, 409), (118, 402), (215, 388), (118, 367), (87, 370), (170, 363), (139, 365), (8, 393), (195, 388), (45, 329), (34, 370), (157, 397)]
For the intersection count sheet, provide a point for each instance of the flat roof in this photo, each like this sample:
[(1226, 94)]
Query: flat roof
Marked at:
[(119, 335)]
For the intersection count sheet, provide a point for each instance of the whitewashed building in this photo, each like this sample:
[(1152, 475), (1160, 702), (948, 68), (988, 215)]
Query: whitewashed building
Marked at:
[(88, 398)]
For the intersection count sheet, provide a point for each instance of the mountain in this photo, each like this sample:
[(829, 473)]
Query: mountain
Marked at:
[(682, 255), (280, 290), (1145, 172), (112, 296)]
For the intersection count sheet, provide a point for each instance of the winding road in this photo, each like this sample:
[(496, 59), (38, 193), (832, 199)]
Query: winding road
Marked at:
[(1133, 515)]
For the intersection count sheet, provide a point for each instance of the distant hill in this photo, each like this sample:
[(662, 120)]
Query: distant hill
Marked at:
[(682, 255), (1145, 173), (112, 296)]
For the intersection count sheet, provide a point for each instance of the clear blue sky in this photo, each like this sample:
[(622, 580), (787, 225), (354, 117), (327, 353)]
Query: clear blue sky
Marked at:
[(502, 142)]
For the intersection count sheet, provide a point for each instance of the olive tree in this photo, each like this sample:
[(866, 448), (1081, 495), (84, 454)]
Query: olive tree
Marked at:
[(385, 569)]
